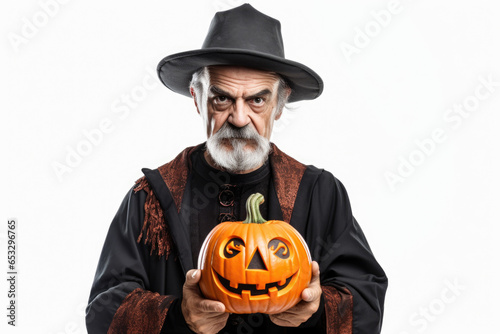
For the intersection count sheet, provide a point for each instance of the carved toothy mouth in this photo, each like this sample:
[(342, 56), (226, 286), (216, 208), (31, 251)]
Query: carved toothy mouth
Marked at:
[(252, 287)]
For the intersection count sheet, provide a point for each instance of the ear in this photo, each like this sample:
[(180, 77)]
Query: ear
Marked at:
[(193, 94), (278, 115)]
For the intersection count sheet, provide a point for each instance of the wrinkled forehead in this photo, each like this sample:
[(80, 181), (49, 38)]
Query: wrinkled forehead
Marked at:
[(238, 78)]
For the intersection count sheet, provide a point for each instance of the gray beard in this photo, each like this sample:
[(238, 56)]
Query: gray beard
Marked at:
[(239, 159)]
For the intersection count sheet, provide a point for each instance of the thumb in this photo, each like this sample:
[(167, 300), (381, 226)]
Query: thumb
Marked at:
[(315, 272), (193, 277)]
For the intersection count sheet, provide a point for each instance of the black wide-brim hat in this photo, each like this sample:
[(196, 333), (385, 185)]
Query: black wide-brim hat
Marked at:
[(241, 36)]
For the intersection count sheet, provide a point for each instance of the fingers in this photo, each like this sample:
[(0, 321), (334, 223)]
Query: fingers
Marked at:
[(279, 320), (313, 291), (294, 316), (307, 295), (207, 305), (301, 312), (201, 315), (210, 324), (315, 272), (193, 277), (191, 286)]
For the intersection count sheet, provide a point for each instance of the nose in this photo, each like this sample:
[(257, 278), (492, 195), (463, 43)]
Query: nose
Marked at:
[(239, 115), (257, 263)]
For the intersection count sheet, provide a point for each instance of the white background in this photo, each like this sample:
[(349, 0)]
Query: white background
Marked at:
[(435, 227)]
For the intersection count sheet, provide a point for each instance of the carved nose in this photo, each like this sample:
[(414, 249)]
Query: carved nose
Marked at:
[(256, 263)]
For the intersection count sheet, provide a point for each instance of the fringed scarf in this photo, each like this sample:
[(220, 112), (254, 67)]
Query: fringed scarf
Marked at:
[(154, 227)]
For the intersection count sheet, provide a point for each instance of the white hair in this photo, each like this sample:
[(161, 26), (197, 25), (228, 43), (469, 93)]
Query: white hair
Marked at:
[(200, 83)]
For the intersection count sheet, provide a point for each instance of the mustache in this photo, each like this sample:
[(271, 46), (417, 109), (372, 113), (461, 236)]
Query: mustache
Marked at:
[(239, 158), (230, 131)]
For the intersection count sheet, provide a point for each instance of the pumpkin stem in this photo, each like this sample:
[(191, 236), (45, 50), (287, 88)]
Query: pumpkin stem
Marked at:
[(253, 212)]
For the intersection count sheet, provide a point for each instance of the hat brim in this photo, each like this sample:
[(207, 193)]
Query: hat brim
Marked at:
[(175, 71)]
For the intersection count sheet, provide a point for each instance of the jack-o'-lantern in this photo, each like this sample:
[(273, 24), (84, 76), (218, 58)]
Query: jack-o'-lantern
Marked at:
[(254, 266)]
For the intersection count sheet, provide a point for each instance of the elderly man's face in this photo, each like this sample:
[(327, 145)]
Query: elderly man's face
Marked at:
[(241, 99)]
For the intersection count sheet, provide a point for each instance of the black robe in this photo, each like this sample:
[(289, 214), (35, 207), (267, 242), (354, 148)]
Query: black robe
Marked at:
[(138, 283)]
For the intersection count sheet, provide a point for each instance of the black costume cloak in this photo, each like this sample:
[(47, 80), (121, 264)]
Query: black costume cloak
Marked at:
[(146, 254)]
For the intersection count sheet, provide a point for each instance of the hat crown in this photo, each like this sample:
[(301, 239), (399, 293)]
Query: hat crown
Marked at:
[(245, 28), (241, 36)]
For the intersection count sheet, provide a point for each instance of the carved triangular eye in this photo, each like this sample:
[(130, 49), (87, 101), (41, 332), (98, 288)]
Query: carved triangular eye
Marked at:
[(279, 248), (257, 262), (233, 247)]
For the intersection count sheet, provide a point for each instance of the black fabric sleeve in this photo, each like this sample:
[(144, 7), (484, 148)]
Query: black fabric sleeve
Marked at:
[(343, 253), (122, 267)]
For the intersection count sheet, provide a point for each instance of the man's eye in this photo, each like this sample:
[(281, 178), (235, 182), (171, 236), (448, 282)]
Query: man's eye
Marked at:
[(258, 100), (221, 99)]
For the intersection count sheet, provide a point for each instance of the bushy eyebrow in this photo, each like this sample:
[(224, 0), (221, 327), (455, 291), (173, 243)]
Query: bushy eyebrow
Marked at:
[(263, 92), (219, 91)]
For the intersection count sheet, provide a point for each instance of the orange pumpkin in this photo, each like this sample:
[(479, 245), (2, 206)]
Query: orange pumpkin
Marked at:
[(254, 266)]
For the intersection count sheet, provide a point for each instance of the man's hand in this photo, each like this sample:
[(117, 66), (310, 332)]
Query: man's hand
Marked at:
[(311, 297), (201, 315)]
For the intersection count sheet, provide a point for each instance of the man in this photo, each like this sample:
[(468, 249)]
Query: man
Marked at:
[(146, 281)]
